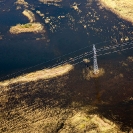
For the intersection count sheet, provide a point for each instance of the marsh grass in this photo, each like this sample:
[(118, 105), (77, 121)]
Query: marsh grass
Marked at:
[(123, 8), (40, 75)]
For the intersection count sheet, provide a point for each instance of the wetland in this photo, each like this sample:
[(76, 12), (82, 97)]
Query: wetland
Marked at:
[(37, 95)]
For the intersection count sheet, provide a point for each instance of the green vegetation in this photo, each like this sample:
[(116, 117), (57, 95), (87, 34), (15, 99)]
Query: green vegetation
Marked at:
[(28, 25)]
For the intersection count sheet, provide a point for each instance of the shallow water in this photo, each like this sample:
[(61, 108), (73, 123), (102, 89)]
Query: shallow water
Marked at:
[(69, 34)]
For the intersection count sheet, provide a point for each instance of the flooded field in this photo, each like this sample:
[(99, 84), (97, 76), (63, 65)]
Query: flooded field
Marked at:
[(57, 103)]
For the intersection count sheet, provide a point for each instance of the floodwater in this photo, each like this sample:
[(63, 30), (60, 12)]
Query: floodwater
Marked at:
[(70, 30)]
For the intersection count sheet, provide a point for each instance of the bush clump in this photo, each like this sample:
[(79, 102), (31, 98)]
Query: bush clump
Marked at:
[(28, 25)]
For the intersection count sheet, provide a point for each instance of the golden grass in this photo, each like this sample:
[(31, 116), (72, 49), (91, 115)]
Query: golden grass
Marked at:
[(29, 15), (35, 27), (123, 8), (42, 74), (81, 121)]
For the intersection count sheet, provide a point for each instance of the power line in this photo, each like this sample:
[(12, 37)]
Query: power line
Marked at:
[(101, 49), (81, 56), (115, 46), (68, 61), (50, 60), (115, 51)]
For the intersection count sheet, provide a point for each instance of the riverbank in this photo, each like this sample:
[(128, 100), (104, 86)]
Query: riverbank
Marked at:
[(122, 8)]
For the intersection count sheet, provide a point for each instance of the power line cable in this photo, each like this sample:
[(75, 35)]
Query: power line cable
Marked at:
[(107, 48), (68, 61), (115, 46), (8, 75), (82, 61), (83, 55), (115, 51)]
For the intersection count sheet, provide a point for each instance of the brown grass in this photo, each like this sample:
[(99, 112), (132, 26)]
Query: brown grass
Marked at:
[(123, 8), (88, 74), (42, 74)]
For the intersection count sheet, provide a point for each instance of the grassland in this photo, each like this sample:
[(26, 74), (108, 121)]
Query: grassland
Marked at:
[(38, 106), (123, 8), (48, 102)]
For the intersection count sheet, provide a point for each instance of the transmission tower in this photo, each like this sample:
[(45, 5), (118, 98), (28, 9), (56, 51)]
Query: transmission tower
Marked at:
[(95, 65)]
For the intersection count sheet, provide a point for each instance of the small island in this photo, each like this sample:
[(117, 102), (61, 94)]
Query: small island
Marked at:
[(32, 26), (28, 27)]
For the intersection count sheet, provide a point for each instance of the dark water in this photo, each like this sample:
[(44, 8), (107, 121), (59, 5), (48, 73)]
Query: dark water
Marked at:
[(21, 51), (74, 31)]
